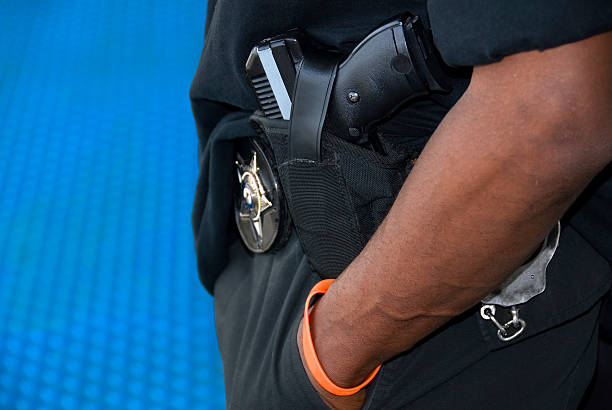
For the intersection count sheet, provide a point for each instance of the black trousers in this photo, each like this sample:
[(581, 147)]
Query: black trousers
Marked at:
[(258, 304)]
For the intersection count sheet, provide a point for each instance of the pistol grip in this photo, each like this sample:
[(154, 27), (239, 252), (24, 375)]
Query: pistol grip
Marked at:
[(389, 67)]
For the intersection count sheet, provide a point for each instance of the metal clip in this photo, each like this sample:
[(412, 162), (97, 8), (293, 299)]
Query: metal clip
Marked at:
[(508, 331)]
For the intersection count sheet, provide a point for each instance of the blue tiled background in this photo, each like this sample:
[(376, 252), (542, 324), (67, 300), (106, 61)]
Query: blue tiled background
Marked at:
[(100, 305)]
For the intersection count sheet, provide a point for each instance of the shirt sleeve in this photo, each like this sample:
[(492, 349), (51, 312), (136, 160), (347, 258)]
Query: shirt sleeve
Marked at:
[(473, 32)]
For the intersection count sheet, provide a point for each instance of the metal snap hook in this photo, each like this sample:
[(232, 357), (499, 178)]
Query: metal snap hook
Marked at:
[(508, 331), (505, 336)]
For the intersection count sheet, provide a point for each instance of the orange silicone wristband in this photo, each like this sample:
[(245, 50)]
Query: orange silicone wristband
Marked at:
[(310, 356)]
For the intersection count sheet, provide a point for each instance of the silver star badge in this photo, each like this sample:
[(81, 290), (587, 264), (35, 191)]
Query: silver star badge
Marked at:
[(254, 199)]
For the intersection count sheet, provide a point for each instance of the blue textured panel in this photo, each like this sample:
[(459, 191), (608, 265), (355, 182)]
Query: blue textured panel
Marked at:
[(100, 305)]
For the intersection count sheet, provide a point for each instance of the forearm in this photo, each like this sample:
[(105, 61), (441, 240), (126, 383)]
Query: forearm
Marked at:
[(491, 182)]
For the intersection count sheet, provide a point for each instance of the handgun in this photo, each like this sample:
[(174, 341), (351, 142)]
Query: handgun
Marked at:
[(393, 64)]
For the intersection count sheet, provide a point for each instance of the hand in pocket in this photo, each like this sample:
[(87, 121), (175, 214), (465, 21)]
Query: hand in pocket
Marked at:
[(352, 402)]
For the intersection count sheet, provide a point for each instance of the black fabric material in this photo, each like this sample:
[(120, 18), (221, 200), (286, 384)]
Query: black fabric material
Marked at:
[(472, 32), (591, 216), (598, 396), (372, 179), (212, 215), (257, 329), (274, 131), (606, 321), (322, 214)]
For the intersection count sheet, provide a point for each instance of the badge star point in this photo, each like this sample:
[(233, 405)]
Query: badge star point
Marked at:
[(256, 187)]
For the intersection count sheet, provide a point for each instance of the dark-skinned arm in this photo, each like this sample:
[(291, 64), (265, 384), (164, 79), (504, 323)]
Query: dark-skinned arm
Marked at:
[(528, 135)]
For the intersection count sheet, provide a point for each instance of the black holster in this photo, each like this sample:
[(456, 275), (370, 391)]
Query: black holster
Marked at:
[(337, 202)]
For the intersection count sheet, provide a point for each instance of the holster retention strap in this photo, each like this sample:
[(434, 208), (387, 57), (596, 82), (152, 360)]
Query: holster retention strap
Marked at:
[(313, 87)]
